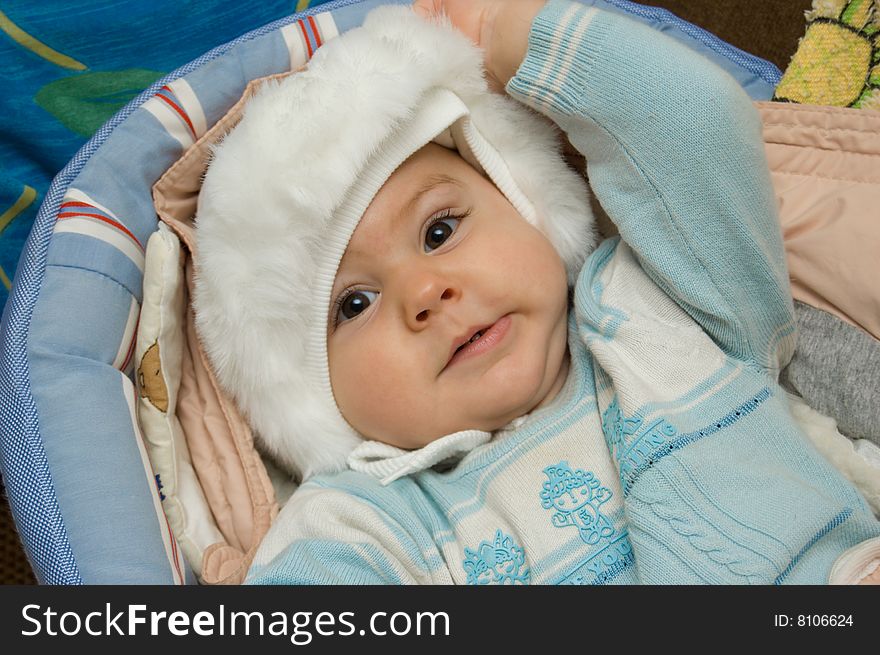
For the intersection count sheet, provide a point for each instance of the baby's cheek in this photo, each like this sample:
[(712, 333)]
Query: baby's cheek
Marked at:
[(354, 403), (363, 381)]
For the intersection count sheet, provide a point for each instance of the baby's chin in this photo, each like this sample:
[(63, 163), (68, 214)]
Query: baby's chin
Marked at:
[(412, 441), (415, 441), (540, 388)]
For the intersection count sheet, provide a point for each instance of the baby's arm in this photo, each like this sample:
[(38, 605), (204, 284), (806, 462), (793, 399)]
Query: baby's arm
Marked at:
[(675, 156), (674, 153)]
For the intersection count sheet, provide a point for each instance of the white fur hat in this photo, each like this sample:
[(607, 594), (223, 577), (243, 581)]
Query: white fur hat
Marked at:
[(287, 187)]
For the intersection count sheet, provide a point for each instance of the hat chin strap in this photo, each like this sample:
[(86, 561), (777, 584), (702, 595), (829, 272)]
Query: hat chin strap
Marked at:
[(388, 463)]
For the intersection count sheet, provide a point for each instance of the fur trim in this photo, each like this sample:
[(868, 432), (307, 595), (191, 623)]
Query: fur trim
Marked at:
[(275, 186)]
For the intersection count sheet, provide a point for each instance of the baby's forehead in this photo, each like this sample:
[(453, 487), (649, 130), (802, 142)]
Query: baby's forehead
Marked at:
[(432, 159), (429, 170)]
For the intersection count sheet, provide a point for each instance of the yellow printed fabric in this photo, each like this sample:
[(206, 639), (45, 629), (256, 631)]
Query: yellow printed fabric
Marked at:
[(837, 62)]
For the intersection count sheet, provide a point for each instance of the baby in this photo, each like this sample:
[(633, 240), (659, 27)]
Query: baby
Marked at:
[(406, 303)]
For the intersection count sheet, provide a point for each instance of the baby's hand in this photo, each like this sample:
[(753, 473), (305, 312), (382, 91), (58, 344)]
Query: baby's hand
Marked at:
[(499, 27), (472, 17), (874, 578)]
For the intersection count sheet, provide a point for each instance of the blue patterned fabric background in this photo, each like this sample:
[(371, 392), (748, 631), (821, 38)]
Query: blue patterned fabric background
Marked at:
[(68, 67)]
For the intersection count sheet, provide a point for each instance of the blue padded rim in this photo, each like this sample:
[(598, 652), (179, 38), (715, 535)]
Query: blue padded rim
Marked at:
[(26, 473)]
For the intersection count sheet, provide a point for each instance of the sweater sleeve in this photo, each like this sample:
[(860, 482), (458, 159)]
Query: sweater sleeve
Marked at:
[(329, 537), (675, 156)]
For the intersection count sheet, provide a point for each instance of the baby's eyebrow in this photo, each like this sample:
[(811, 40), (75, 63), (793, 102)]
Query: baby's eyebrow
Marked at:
[(431, 183)]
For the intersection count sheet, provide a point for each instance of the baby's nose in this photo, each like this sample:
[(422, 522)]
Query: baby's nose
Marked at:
[(426, 296)]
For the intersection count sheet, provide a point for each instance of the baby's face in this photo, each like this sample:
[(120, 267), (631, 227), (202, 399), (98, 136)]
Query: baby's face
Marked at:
[(440, 256)]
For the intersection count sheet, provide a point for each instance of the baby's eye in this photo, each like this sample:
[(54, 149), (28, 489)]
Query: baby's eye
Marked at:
[(353, 304), (440, 230)]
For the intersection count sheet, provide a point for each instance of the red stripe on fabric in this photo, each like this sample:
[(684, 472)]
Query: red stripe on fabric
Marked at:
[(173, 549), (315, 31), (302, 26), (131, 345), (180, 112), (109, 221), (76, 203)]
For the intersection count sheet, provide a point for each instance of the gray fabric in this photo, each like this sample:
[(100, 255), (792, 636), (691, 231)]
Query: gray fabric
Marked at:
[(836, 369)]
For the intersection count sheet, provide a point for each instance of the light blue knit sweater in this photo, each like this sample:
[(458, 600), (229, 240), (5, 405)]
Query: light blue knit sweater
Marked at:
[(669, 456)]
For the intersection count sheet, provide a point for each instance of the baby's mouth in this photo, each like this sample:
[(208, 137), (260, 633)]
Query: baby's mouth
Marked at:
[(477, 340), (476, 336), (462, 342)]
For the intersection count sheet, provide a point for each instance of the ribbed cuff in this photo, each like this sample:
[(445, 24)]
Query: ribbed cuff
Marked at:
[(563, 43), (856, 563)]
